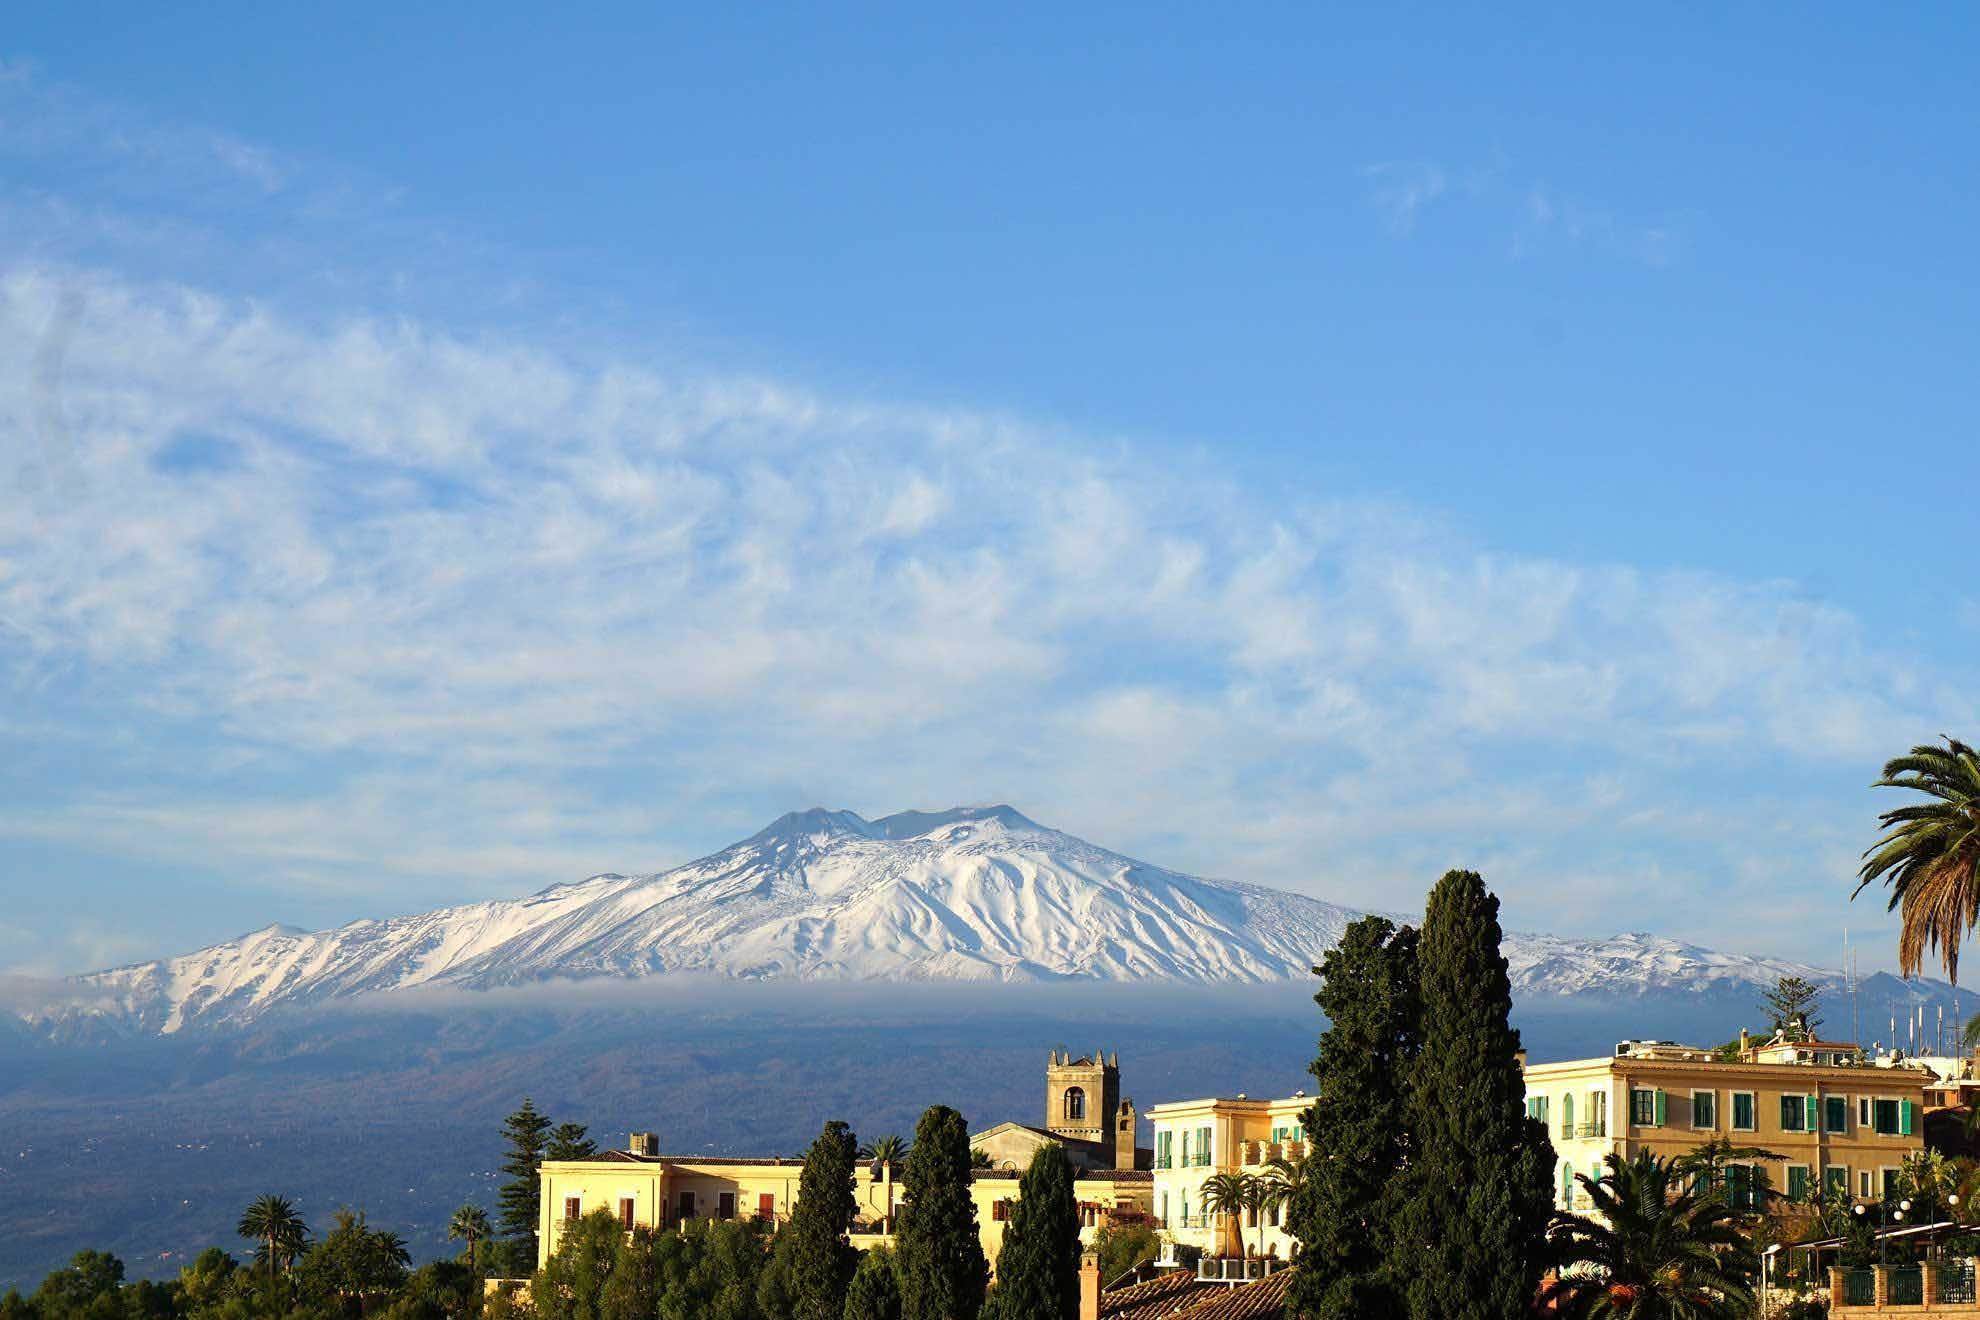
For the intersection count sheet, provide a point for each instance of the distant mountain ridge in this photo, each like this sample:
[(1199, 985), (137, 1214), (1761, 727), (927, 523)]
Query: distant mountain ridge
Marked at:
[(969, 894)]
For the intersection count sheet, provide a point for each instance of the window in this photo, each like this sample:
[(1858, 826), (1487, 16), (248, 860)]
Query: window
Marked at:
[(573, 1208), (625, 1212), (686, 1206), (1075, 1105), (1743, 1112), (1567, 1116), (1567, 1184), (1835, 1116), (766, 1206), (1743, 1186), (1202, 1145), (1835, 1182), (1165, 1209), (1705, 1109), (1000, 1211), (725, 1205), (1884, 1116), (1863, 1111), (1643, 1108), (1598, 1114), (1890, 1184), (1536, 1107), (1164, 1150), (1797, 1188), (1793, 1111)]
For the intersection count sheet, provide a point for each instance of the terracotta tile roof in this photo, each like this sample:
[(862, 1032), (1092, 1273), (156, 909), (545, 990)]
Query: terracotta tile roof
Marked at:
[(1250, 1301), (1163, 1295)]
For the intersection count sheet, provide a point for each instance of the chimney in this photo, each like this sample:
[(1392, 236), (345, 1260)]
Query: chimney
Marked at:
[(1089, 1286), (644, 1143), (1745, 1041)]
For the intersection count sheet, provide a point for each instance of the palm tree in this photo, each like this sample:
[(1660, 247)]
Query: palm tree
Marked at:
[(1232, 1194), (1705, 1167), (1651, 1250), (886, 1152), (1930, 852), (273, 1222), (1281, 1182), (470, 1222)]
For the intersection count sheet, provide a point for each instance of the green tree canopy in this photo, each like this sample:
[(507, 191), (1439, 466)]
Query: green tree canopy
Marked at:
[(875, 1293), (570, 1141), (1038, 1265), (1790, 1006), (943, 1269), (815, 1260), (526, 1133), (571, 1284), (355, 1267), (1343, 1207), (1479, 1179), (1651, 1248)]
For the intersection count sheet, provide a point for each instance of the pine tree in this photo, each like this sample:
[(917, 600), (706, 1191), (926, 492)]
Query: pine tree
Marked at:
[(1344, 1210), (815, 1263), (570, 1141), (1791, 1005), (1479, 1179), (521, 1196), (875, 1293), (943, 1270), (1038, 1266)]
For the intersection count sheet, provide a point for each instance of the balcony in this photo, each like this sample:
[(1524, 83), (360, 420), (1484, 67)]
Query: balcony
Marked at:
[(1598, 1128)]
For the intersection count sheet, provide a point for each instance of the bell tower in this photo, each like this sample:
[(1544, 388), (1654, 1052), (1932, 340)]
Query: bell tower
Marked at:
[(1082, 1095), (1124, 1135)]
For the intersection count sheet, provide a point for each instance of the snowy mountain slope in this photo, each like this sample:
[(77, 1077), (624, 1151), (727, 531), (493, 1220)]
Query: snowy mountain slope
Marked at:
[(972, 894)]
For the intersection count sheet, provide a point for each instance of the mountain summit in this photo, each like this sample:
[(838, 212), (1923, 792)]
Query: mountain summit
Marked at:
[(968, 894)]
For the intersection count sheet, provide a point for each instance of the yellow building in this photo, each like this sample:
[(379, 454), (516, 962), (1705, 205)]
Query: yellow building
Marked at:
[(1197, 1138), (1838, 1123), (1084, 1113), (642, 1186)]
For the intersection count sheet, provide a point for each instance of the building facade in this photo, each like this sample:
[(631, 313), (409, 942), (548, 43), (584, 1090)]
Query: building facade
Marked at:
[(1084, 1113), (1837, 1123), (1197, 1138), (642, 1187)]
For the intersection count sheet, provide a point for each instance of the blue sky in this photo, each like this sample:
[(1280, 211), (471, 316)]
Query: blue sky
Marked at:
[(459, 451)]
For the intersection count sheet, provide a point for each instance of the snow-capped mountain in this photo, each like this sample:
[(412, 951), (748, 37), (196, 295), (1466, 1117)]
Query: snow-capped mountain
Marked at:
[(971, 894)]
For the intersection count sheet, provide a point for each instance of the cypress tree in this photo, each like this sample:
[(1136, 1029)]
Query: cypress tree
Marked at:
[(1357, 1128), (943, 1270), (526, 1132), (1038, 1265), (1479, 1183), (875, 1293), (816, 1261)]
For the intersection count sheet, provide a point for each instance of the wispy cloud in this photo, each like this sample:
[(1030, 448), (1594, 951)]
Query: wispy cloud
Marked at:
[(405, 607), (1528, 217), (498, 584), (1402, 189)]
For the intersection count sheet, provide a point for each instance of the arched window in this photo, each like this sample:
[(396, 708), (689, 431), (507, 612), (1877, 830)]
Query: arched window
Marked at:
[(1075, 1105)]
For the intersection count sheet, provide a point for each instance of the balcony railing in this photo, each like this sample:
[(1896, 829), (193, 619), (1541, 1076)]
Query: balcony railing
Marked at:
[(1597, 1128)]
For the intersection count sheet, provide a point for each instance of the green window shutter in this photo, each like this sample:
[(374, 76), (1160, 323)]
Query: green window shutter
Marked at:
[(1814, 1113), (1797, 1183), (1905, 1119), (1662, 1109)]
